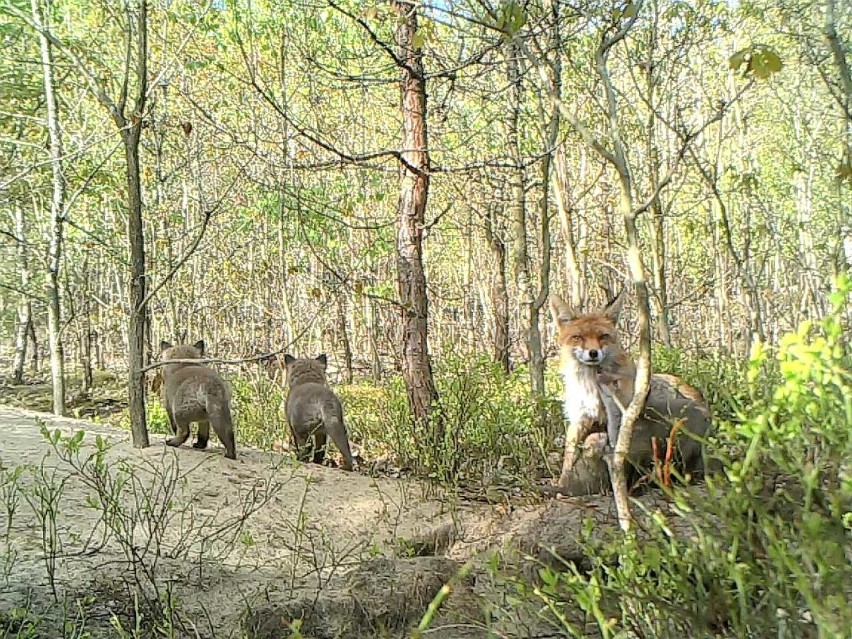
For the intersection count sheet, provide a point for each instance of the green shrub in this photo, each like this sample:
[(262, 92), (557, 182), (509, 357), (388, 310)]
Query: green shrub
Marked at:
[(256, 407), (718, 376), (492, 430), (155, 417)]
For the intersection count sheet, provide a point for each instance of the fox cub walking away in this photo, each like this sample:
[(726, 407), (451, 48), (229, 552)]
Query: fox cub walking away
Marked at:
[(196, 393), (313, 410)]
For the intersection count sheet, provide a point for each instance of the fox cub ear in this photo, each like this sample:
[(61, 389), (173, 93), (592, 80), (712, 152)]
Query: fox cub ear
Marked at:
[(322, 359), (288, 359), (268, 361), (199, 346), (165, 345), (613, 308), (560, 310)]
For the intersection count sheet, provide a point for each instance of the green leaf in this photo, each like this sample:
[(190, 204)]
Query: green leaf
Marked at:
[(418, 40), (760, 60), (772, 61), (738, 59), (629, 10)]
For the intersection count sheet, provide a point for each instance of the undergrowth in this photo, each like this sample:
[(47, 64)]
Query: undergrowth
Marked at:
[(763, 551)]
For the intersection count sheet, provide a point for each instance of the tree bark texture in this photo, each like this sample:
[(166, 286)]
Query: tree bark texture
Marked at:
[(499, 290), (518, 208), (414, 191), (618, 159), (131, 132)]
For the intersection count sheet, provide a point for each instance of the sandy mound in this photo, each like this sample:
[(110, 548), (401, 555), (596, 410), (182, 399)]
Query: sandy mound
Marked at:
[(227, 548)]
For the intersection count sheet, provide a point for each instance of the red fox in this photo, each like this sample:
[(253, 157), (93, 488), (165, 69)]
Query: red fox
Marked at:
[(588, 348)]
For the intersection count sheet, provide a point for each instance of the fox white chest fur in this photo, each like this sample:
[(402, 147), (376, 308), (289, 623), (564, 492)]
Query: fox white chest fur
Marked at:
[(581, 401)]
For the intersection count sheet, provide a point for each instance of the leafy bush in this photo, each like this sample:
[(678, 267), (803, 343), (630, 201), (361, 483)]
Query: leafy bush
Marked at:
[(491, 428), (256, 408), (762, 552), (155, 417)]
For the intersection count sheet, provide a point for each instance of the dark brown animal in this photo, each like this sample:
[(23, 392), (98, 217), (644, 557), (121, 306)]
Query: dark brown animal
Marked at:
[(670, 400)]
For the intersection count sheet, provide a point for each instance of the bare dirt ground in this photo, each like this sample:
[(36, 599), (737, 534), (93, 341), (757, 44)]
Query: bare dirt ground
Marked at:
[(241, 548)]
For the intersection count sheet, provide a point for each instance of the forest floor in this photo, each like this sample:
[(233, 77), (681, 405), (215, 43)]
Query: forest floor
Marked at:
[(220, 548)]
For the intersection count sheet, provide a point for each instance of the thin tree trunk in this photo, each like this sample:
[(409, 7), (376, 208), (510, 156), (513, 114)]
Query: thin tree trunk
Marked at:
[(657, 222), (499, 290), (343, 327), (35, 358), (658, 264), (372, 336), (131, 133), (289, 330), (25, 307), (21, 333), (411, 275), (618, 159), (550, 121), (565, 211), (57, 214), (520, 258)]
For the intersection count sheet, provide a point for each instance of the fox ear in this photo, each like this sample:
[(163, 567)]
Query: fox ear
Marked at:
[(322, 359), (560, 310), (288, 359), (613, 308), (164, 345), (267, 361), (199, 346)]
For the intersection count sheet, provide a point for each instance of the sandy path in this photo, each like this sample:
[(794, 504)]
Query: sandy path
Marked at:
[(302, 523)]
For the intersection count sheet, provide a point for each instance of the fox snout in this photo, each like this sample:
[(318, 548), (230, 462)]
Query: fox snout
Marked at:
[(590, 356)]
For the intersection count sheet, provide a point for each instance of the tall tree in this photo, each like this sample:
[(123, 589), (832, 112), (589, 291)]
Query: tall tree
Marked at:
[(130, 128), (41, 17), (411, 217)]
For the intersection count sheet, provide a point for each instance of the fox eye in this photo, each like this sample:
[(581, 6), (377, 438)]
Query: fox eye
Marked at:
[(576, 338), (605, 336)]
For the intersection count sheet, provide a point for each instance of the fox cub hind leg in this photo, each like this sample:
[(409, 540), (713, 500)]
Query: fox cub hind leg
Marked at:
[(181, 434), (203, 436)]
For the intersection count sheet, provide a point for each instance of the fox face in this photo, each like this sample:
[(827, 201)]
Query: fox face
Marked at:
[(592, 338), (589, 339)]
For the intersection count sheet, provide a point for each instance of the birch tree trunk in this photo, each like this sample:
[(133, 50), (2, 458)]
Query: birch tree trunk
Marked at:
[(57, 212)]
